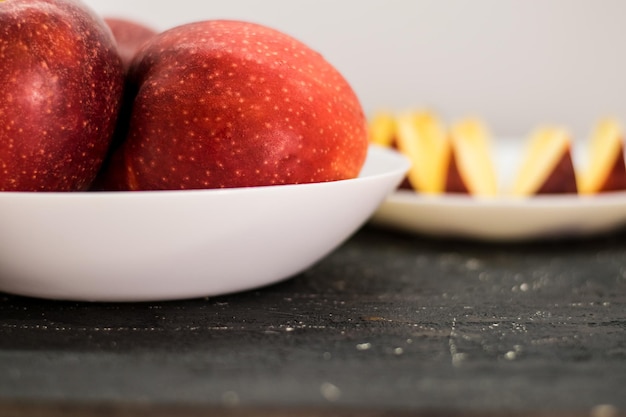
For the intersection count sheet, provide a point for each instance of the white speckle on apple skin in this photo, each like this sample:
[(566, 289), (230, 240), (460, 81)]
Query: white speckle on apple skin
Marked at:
[(243, 105)]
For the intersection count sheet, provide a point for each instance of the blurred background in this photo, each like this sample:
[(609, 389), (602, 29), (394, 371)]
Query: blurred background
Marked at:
[(514, 63)]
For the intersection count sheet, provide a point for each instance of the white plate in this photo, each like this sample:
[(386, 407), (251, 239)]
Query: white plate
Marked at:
[(505, 219), (180, 244)]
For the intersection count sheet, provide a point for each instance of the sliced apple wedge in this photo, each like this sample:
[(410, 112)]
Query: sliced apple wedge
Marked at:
[(471, 168), (382, 129), (606, 170), (422, 138), (547, 167)]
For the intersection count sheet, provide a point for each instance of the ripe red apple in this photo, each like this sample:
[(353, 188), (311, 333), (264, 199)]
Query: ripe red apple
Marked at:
[(60, 89), (235, 104), (130, 35)]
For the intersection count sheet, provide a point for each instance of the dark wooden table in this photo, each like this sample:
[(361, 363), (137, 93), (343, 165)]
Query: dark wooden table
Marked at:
[(389, 324)]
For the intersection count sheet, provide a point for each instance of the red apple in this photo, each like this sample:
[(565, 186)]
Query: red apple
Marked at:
[(61, 84), (130, 35), (235, 104)]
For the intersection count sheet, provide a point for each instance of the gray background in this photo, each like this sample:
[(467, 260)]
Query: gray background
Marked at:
[(515, 63)]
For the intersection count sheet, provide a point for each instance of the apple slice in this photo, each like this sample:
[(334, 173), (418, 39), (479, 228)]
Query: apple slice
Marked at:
[(547, 167), (382, 129), (471, 169), (382, 132), (422, 138), (606, 170)]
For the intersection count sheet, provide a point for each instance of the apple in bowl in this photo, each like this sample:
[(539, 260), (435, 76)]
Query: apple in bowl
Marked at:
[(223, 104), (60, 91), (130, 36)]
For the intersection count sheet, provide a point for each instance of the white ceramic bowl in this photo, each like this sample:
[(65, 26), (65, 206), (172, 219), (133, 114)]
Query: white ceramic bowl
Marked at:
[(140, 246)]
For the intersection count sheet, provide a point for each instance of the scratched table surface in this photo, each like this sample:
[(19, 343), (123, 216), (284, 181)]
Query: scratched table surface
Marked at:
[(388, 324)]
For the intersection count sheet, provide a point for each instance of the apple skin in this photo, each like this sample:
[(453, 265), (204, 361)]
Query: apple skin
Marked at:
[(60, 91), (562, 179), (455, 184), (130, 35), (223, 104), (616, 178)]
